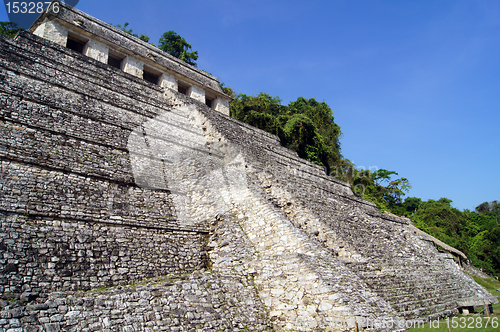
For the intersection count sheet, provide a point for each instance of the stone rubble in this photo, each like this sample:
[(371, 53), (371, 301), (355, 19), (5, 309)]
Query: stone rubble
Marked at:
[(128, 206)]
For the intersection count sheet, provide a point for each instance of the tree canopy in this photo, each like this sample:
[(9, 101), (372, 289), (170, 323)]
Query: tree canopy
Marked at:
[(130, 32), (477, 234), (170, 42), (377, 186), (9, 29), (177, 46), (305, 126)]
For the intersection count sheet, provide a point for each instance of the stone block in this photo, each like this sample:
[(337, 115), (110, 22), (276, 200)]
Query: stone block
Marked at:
[(168, 81), (53, 31), (96, 50), (133, 66), (196, 93), (52, 327)]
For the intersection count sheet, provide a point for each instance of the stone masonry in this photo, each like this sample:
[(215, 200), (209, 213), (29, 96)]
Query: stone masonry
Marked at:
[(131, 201)]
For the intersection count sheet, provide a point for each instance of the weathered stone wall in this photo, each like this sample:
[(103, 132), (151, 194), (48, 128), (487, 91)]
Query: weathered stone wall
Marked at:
[(46, 255), (68, 194), (199, 301), (401, 267), (108, 179), (73, 218)]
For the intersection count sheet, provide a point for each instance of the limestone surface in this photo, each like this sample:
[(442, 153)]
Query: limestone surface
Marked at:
[(131, 206)]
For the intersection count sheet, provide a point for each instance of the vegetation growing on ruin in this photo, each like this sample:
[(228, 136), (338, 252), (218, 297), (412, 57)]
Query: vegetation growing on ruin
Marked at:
[(305, 125), (308, 127), (130, 32), (170, 42), (9, 29), (476, 233), (173, 44)]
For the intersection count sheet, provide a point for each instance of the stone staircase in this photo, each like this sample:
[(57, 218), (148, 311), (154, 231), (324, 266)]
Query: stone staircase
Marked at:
[(419, 290), (413, 291), (399, 266), (298, 279), (301, 282), (322, 258)]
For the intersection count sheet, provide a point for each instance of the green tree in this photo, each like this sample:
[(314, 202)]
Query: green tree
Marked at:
[(382, 175), (301, 135), (397, 189), (411, 204), (474, 233), (227, 90), (170, 42), (177, 46), (379, 187), (487, 207), (130, 32), (304, 126), (9, 29), (328, 132)]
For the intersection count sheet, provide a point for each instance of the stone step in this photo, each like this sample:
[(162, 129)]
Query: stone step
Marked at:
[(414, 272), (403, 266), (417, 296), (298, 279), (307, 199), (424, 283), (438, 310), (289, 287), (63, 66), (174, 119), (412, 305), (303, 286), (409, 290)]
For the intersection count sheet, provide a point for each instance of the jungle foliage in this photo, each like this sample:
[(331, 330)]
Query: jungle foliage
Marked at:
[(9, 29), (170, 42), (177, 46), (130, 32), (476, 233), (308, 127), (305, 125)]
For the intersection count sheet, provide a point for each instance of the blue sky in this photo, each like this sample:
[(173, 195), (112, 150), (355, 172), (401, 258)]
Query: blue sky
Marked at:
[(414, 85)]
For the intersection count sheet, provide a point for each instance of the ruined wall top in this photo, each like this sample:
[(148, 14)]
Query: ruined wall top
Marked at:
[(69, 27)]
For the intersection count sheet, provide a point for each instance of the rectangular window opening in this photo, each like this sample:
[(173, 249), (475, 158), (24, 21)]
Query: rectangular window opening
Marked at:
[(209, 102), (182, 88), (115, 59), (151, 75), (76, 43)]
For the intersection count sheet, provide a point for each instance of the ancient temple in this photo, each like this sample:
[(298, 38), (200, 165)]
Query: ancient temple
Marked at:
[(132, 201)]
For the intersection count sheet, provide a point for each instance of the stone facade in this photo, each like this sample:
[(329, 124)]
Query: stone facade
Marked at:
[(61, 24), (194, 302), (130, 205), (52, 30)]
